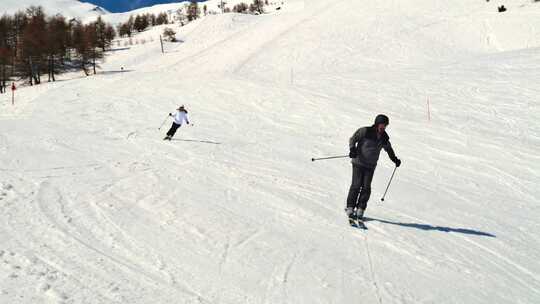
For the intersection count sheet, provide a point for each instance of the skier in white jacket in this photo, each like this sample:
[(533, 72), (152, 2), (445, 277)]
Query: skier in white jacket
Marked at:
[(179, 117)]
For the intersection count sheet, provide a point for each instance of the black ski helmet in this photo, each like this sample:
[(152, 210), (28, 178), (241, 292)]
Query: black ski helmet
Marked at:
[(381, 119)]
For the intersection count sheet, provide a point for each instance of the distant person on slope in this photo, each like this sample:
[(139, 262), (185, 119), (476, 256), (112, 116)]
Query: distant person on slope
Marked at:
[(179, 117), (365, 146)]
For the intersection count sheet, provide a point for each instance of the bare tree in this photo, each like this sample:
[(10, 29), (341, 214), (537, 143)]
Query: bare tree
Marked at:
[(34, 42), (57, 43), (81, 45), (7, 41)]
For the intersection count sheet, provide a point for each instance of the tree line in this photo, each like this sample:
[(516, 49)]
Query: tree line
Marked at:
[(188, 13), (140, 23), (257, 7), (33, 44)]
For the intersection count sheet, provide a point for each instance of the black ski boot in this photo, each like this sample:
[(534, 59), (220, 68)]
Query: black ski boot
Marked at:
[(359, 214), (351, 214)]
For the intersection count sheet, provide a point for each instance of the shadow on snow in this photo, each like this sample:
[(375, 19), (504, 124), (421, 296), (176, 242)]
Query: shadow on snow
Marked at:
[(433, 228), (199, 141), (119, 49), (111, 72)]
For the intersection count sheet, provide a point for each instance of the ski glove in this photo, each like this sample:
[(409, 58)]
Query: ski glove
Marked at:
[(353, 153), (397, 161)]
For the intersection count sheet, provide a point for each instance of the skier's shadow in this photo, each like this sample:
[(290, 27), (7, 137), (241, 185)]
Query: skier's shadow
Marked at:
[(199, 141), (112, 72), (433, 228)]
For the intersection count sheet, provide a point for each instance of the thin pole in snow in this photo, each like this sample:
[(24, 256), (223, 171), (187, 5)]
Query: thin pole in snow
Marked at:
[(161, 41), (388, 186), (428, 110), (331, 157), (161, 126), (13, 88)]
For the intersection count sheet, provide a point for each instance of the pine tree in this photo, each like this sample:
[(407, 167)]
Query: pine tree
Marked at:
[(169, 34), (141, 23), (193, 11), (257, 6), (162, 18)]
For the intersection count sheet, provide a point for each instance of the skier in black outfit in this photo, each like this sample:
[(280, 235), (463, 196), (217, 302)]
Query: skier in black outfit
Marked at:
[(365, 146)]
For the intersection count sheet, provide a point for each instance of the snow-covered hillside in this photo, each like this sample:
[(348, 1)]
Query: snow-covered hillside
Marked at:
[(171, 9), (96, 208), (68, 8)]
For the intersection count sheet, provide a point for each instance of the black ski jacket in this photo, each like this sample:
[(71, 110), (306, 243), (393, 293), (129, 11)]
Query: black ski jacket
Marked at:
[(368, 147)]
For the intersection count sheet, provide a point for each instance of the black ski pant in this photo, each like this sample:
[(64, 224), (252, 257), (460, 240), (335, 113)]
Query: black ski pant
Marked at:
[(173, 129), (360, 187)]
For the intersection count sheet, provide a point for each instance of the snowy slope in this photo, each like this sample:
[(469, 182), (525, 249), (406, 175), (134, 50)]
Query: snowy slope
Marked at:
[(127, 5), (172, 8), (96, 208), (68, 8)]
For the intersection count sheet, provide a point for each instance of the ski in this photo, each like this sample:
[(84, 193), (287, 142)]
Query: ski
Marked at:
[(352, 222), (355, 223), (360, 224)]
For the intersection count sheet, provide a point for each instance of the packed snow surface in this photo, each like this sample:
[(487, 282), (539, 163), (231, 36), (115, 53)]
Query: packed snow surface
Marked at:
[(96, 208)]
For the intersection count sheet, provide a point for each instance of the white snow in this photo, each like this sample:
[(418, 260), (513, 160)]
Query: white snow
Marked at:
[(68, 8), (96, 208)]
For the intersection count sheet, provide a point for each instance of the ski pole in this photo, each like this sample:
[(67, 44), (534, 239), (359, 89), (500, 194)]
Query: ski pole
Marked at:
[(388, 186), (166, 118), (331, 157)]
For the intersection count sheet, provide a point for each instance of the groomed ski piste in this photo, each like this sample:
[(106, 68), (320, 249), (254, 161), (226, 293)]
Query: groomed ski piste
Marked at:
[(96, 208)]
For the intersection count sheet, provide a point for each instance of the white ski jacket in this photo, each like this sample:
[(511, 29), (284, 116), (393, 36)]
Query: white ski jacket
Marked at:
[(179, 117)]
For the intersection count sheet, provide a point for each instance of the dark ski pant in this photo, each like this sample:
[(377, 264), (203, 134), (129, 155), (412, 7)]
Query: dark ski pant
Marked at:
[(360, 187), (173, 129)]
